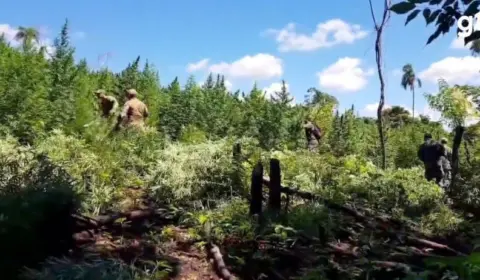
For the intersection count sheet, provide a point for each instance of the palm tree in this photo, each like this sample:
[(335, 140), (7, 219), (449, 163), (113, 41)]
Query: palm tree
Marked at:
[(27, 35), (409, 79)]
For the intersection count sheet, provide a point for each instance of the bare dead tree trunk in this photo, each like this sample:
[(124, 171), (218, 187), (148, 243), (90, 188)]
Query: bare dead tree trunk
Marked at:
[(379, 28), (413, 103), (457, 141), (274, 198), (256, 189), (468, 157), (237, 186)]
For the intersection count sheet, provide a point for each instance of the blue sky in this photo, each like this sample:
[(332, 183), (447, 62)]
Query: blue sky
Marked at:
[(174, 34)]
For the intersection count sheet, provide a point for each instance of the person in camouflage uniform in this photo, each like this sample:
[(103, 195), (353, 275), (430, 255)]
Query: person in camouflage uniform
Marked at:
[(108, 103), (446, 162), (431, 153), (312, 134), (134, 112)]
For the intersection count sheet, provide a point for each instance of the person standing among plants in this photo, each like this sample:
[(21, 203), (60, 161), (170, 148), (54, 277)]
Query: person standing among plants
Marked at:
[(431, 153), (446, 161), (108, 103), (134, 112), (313, 133)]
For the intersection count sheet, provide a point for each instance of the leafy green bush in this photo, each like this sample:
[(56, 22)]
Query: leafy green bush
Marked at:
[(96, 268), (191, 172), (36, 203)]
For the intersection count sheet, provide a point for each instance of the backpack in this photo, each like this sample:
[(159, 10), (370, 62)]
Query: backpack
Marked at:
[(317, 132)]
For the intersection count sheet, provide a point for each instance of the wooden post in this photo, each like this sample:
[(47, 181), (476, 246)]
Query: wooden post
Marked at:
[(237, 151), (256, 190), (237, 185), (274, 201)]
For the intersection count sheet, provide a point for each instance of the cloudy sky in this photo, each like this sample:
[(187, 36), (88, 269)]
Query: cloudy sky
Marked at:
[(323, 44)]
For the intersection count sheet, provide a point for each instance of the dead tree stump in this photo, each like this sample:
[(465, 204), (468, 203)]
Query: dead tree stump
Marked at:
[(274, 199), (237, 169), (256, 189)]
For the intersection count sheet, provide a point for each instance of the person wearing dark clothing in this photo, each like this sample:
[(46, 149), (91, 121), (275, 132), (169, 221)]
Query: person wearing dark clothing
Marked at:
[(431, 153), (313, 135)]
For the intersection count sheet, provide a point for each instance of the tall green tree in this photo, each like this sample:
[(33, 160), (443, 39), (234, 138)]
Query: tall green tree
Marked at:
[(63, 75), (410, 80), (282, 97)]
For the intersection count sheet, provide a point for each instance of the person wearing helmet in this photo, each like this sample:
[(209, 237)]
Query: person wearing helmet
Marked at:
[(313, 134), (134, 111), (431, 153), (108, 103)]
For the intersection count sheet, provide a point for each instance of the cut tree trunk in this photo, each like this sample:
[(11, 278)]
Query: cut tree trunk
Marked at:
[(256, 190)]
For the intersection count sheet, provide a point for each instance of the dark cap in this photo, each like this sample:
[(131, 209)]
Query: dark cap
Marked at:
[(427, 136)]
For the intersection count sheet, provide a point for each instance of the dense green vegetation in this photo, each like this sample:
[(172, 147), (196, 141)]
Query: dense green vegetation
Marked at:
[(59, 158)]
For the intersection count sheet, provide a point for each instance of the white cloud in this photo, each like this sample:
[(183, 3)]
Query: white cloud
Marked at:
[(328, 34), (459, 44), (345, 75), (274, 87), (228, 85), (370, 110), (426, 111), (9, 32), (455, 70), (200, 65), (260, 66)]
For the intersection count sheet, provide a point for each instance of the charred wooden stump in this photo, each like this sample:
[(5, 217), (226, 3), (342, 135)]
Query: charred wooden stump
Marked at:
[(274, 198), (237, 168), (256, 189)]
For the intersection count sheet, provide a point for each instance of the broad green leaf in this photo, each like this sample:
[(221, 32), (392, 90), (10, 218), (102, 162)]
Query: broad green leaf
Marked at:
[(402, 8)]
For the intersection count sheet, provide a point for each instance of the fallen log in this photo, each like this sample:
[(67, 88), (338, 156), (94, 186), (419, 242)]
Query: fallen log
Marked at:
[(219, 265), (332, 205), (434, 245), (368, 220), (87, 223)]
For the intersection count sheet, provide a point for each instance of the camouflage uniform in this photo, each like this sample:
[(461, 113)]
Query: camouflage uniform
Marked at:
[(108, 104), (134, 111), (312, 142), (431, 153), (446, 162)]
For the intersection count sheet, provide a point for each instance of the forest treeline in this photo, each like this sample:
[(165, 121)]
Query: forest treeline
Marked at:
[(42, 93), (59, 160)]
